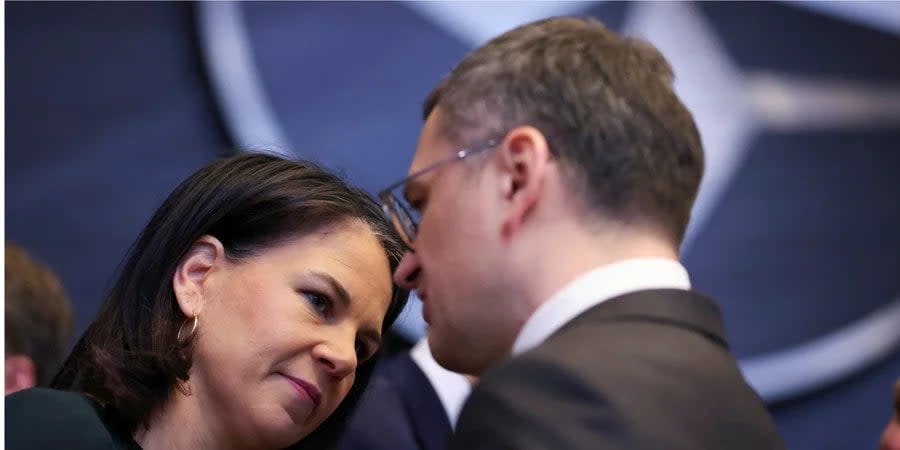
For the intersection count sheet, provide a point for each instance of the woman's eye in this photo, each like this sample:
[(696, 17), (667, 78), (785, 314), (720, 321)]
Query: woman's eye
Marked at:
[(320, 302)]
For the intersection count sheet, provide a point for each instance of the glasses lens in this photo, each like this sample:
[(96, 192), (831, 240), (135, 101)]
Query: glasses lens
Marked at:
[(400, 216), (410, 224)]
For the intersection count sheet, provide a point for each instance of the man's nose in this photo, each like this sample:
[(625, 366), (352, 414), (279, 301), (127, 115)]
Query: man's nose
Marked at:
[(407, 274)]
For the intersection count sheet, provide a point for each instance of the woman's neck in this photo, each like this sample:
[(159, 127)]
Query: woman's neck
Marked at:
[(182, 424)]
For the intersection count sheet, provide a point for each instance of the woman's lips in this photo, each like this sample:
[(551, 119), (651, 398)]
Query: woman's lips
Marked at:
[(305, 388)]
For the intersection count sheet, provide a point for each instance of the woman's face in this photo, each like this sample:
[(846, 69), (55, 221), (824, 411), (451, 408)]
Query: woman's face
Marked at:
[(280, 334)]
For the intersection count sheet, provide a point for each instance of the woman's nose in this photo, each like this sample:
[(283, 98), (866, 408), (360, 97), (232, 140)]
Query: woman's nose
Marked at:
[(337, 355)]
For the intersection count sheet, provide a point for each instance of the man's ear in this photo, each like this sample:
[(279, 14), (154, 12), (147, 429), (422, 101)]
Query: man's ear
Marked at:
[(192, 275), (524, 157), (20, 373)]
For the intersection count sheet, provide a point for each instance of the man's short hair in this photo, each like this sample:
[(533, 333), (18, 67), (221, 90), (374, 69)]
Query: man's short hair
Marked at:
[(605, 103), (38, 313)]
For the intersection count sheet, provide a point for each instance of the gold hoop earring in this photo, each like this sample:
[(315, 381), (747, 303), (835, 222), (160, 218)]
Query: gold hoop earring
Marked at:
[(193, 329)]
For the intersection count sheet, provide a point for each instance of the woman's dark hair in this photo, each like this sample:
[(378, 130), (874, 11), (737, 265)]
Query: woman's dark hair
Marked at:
[(129, 359)]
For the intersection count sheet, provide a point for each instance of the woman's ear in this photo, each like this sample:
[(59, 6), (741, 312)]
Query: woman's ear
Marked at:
[(192, 276)]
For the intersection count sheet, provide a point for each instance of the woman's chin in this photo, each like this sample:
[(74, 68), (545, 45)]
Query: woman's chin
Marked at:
[(282, 434), (280, 425)]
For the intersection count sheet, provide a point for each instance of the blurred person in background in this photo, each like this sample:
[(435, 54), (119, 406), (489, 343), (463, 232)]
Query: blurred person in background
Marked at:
[(412, 403), (38, 321), (544, 209), (247, 315), (890, 439)]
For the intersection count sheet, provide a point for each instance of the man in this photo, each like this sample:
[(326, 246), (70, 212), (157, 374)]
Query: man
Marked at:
[(38, 321), (553, 181), (890, 438), (411, 403)]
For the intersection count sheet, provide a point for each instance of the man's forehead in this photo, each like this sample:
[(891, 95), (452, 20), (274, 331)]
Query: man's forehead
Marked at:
[(425, 155), (432, 144)]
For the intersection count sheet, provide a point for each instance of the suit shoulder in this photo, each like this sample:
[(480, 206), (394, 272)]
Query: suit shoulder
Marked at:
[(532, 403), (46, 396), (635, 376), (48, 418), (624, 348)]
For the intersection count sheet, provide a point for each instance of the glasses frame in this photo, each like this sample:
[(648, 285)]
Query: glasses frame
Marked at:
[(394, 207)]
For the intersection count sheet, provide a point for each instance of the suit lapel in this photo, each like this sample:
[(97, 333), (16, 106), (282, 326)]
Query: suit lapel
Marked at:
[(424, 409)]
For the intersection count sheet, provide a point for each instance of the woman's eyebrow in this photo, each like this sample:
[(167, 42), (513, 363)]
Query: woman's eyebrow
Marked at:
[(342, 295), (344, 298)]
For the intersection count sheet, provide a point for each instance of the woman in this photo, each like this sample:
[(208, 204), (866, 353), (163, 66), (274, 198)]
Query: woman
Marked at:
[(246, 316)]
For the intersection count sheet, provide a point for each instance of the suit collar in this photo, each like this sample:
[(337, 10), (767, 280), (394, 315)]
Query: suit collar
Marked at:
[(675, 307), (597, 286)]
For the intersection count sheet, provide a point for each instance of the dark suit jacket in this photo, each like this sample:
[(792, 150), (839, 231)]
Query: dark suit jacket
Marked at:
[(399, 411), (49, 419), (650, 370)]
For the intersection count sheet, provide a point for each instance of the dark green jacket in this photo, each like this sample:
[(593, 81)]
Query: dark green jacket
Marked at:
[(42, 418)]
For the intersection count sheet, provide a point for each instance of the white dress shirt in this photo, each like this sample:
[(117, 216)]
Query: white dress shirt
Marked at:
[(595, 287), (451, 387)]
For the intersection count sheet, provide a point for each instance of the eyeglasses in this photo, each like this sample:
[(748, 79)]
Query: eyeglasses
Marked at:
[(402, 215)]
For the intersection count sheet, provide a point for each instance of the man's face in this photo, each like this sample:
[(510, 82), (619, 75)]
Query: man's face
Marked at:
[(456, 266)]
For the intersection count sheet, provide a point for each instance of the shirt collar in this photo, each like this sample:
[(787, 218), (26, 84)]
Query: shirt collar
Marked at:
[(595, 287)]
